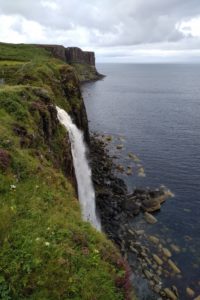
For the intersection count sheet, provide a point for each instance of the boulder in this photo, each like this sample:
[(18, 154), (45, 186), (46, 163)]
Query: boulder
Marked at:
[(174, 267), (170, 294), (151, 205), (150, 218), (190, 292), (157, 259), (153, 239), (166, 252)]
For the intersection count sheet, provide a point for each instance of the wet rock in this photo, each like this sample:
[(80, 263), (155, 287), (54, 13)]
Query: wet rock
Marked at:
[(175, 290), (153, 239), (133, 157), (174, 267), (157, 288), (120, 168), (150, 218), (148, 261), (129, 171), (159, 272), (139, 192), (151, 283), (166, 252), (119, 147), (175, 248), (170, 294), (190, 292), (154, 266), (133, 249), (108, 138), (131, 206), (151, 205), (131, 232), (141, 172), (147, 274), (157, 259), (139, 232)]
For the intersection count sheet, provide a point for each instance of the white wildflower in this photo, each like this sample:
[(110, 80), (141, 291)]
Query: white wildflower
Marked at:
[(47, 244), (12, 187)]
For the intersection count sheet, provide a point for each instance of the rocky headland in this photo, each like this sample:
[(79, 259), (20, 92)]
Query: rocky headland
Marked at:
[(82, 61)]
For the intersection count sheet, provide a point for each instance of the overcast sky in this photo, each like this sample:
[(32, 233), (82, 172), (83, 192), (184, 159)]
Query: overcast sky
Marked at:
[(117, 30)]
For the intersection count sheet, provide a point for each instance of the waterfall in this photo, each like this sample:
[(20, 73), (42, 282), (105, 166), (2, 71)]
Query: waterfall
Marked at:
[(86, 192)]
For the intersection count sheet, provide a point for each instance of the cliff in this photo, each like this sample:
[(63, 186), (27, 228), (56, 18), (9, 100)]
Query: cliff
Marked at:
[(76, 55), (82, 61), (46, 250)]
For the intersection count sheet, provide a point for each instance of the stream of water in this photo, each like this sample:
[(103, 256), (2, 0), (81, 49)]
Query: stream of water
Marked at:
[(86, 193)]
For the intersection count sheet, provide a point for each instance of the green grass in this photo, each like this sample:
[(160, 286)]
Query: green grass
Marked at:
[(21, 52), (46, 250)]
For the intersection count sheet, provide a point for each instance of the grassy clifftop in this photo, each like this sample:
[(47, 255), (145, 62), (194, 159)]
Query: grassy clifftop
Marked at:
[(46, 250)]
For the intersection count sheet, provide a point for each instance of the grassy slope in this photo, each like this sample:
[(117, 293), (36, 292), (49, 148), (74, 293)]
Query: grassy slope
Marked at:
[(46, 251)]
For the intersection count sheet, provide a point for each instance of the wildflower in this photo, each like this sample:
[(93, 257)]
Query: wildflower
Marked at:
[(37, 239), (13, 207), (12, 187), (47, 244), (96, 251)]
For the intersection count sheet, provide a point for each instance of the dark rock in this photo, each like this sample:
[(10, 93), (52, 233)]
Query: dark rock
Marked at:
[(132, 206), (5, 160), (19, 130), (76, 55), (151, 205), (57, 51)]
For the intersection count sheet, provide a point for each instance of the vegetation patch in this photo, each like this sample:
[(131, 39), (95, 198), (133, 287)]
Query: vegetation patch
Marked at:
[(46, 250)]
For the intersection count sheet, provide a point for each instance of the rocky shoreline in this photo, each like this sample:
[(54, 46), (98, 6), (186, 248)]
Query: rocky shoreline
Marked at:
[(117, 209)]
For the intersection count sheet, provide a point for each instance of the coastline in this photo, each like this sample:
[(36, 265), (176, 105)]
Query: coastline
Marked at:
[(118, 210)]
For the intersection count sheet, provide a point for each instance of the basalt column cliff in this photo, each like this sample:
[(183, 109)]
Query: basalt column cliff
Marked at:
[(82, 61)]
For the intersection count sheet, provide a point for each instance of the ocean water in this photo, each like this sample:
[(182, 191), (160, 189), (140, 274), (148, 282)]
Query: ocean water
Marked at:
[(154, 111)]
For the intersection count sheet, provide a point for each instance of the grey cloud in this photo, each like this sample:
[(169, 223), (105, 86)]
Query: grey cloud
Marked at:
[(108, 23)]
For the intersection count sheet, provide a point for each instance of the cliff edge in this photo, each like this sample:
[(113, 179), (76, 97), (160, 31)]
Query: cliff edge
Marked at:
[(46, 250), (82, 61)]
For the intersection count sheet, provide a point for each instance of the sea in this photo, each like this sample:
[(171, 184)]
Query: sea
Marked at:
[(153, 112)]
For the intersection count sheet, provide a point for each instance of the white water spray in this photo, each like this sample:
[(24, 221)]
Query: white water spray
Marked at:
[(86, 192)]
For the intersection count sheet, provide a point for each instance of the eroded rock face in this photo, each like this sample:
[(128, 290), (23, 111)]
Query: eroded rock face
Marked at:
[(76, 55), (72, 91), (57, 51), (71, 54)]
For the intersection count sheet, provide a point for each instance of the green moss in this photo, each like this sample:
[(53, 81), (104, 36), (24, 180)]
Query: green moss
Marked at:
[(85, 72), (46, 250)]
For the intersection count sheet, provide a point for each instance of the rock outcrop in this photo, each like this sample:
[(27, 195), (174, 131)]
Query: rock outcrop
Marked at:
[(76, 55), (82, 61), (57, 51), (71, 54)]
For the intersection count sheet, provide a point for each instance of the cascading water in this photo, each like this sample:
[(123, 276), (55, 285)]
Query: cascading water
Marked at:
[(86, 192)]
